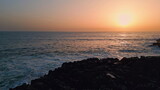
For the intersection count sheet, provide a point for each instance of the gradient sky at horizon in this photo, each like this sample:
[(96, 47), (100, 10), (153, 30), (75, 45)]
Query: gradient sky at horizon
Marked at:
[(78, 15)]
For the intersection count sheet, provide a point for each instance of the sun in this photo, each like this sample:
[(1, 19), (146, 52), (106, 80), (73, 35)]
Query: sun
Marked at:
[(124, 20)]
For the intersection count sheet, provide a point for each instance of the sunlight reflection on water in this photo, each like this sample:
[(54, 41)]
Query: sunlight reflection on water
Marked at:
[(28, 55)]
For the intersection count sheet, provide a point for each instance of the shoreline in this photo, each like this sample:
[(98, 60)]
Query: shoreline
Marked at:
[(101, 74)]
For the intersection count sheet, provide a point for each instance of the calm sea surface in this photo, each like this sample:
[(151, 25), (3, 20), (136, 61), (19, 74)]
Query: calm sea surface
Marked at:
[(28, 55)]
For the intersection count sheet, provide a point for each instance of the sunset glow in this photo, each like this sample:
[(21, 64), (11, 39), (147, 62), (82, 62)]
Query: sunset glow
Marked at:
[(80, 15), (124, 20)]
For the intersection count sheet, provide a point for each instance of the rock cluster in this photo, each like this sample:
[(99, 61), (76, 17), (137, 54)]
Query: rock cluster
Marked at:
[(157, 43), (101, 74)]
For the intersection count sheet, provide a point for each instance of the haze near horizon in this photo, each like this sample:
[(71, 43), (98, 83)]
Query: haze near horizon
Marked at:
[(80, 15)]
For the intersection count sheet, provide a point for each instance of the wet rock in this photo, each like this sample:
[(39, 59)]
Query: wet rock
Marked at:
[(157, 43), (101, 74)]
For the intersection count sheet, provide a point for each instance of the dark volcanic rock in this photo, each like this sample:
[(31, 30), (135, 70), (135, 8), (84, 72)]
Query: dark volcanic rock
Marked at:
[(157, 43), (104, 74)]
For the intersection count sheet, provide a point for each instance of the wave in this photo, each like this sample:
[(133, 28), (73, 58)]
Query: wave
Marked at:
[(110, 39)]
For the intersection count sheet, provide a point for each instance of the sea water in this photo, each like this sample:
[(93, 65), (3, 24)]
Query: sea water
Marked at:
[(28, 55)]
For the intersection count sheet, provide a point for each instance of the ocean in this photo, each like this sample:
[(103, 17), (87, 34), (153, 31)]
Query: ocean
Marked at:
[(28, 55)]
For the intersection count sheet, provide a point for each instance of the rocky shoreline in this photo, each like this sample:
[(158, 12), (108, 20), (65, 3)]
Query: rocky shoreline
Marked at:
[(101, 74), (157, 43)]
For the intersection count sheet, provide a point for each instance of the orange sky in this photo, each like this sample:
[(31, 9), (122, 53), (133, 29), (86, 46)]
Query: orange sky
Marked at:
[(80, 15)]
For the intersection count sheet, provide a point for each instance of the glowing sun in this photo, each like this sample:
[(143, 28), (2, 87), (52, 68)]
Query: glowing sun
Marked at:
[(124, 20)]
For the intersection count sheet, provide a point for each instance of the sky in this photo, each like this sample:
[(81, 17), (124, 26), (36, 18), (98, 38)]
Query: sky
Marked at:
[(80, 15)]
